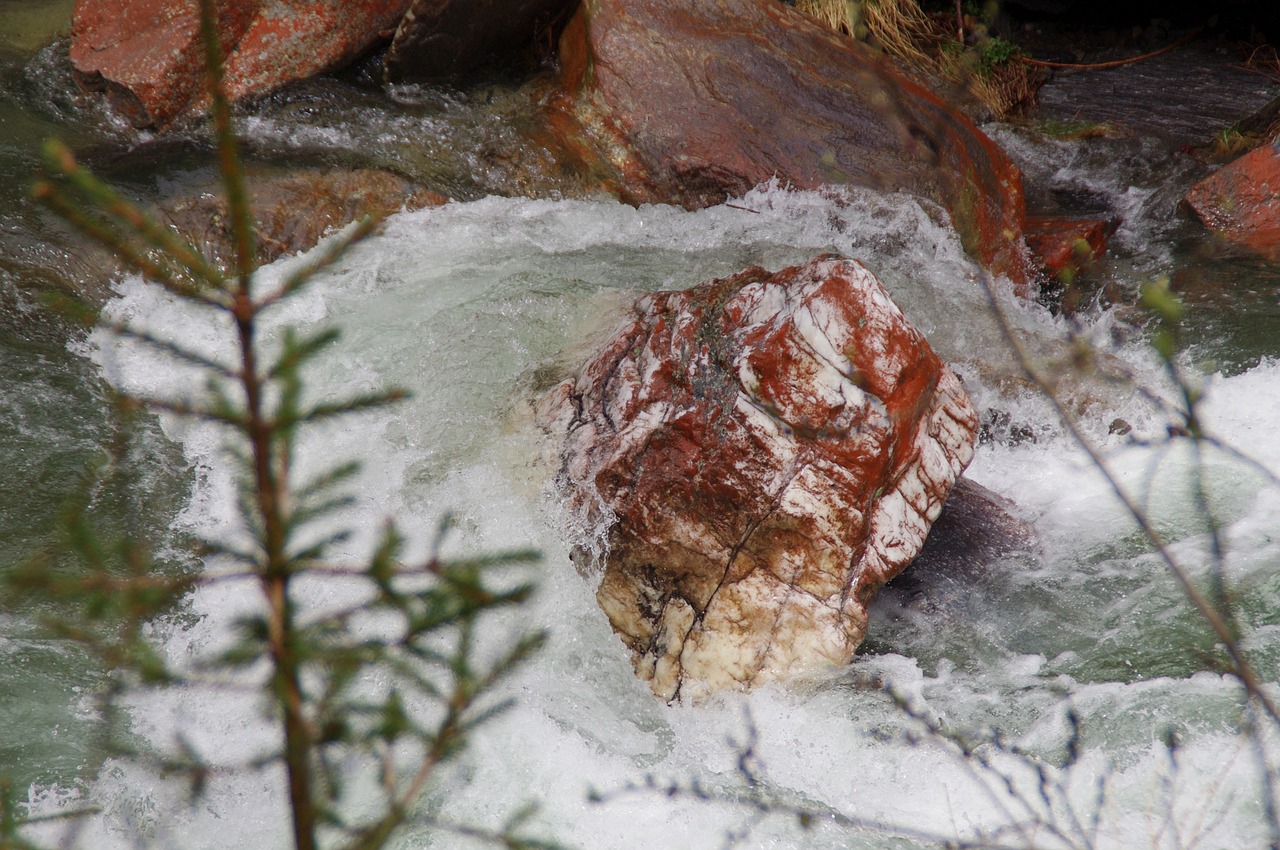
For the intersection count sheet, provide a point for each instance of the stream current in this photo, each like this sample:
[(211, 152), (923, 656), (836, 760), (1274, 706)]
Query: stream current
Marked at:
[(476, 306)]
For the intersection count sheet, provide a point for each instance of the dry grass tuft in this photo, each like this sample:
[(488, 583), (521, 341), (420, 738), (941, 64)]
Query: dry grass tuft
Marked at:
[(928, 48), (903, 30), (842, 16)]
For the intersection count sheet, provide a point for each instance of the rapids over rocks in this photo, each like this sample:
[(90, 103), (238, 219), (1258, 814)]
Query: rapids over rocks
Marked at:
[(509, 296)]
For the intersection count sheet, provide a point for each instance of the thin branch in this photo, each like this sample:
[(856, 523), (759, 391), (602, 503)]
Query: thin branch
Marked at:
[(1240, 664), (1102, 66), (59, 159)]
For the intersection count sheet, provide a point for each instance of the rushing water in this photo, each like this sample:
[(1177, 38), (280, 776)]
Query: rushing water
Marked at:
[(478, 305)]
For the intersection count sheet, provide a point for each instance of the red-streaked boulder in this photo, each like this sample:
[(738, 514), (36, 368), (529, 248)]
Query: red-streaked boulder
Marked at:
[(148, 56), (1241, 200), (762, 453), (443, 39), (693, 101)]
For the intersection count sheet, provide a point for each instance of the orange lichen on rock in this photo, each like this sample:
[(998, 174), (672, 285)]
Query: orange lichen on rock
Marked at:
[(148, 55)]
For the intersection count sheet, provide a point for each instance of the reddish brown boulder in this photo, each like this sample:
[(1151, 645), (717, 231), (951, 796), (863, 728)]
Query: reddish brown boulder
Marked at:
[(293, 210), (1063, 247), (148, 56), (442, 39), (1241, 200), (290, 40), (763, 452), (691, 101)]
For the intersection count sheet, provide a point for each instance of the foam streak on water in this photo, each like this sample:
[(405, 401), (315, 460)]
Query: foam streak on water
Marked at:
[(474, 307)]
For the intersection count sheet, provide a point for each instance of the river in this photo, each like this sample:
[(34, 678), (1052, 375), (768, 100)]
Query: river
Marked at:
[(476, 305)]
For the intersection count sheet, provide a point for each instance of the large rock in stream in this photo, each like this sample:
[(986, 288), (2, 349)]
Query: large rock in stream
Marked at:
[(148, 56), (765, 451), (694, 101), (1241, 200)]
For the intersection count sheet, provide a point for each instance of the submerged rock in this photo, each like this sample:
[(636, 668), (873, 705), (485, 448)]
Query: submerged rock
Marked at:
[(693, 101), (764, 451), (1241, 200), (292, 210), (976, 527), (147, 54), (1065, 247)]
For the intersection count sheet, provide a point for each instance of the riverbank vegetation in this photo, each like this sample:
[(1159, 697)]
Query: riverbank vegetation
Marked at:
[(956, 48)]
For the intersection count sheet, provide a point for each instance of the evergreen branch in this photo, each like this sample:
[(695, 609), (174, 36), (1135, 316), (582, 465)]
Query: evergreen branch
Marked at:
[(340, 474), (193, 410), (173, 349), (356, 404), (333, 251), (312, 668), (304, 514), (59, 159), (483, 716), (316, 550), (297, 351), (55, 200), (217, 548), (525, 648), (230, 164)]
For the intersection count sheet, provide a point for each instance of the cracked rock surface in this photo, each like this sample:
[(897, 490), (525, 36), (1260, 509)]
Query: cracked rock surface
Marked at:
[(765, 452)]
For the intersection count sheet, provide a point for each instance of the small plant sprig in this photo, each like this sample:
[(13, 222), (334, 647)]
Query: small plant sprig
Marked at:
[(433, 688)]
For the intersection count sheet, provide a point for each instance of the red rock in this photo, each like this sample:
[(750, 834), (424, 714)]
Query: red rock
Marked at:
[(442, 39), (1062, 247), (148, 56), (762, 453), (1241, 200), (292, 210), (692, 101), (294, 39)]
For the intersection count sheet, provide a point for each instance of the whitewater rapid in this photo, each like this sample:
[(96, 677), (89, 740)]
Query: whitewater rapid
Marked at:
[(475, 307)]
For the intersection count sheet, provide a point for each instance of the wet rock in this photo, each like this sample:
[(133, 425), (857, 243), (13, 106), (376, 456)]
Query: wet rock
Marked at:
[(291, 40), (692, 102), (293, 211), (976, 530), (976, 527), (147, 54), (763, 452), (442, 39), (1241, 200), (1063, 247)]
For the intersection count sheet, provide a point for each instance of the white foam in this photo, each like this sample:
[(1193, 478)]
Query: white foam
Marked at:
[(462, 303)]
